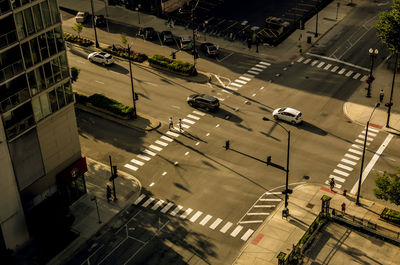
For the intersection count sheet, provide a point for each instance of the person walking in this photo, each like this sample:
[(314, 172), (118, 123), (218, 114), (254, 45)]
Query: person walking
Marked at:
[(171, 123), (343, 208), (332, 183), (381, 94), (180, 125), (108, 193)]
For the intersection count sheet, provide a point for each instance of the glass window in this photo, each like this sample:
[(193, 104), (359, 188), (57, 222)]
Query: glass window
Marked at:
[(16, 3), (53, 101), (35, 50), (52, 42), (56, 69), (27, 55), (44, 102), (29, 21), (60, 96), (69, 95), (19, 21), (41, 81), (25, 2), (38, 17), (59, 39), (64, 65), (43, 46), (37, 110), (48, 74), (32, 83), (46, 13), (54, 11)]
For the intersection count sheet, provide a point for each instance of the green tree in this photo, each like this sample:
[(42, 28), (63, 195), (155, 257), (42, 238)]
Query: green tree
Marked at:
[(124, 40), (388, 27), (74, 74), (388, 187), (78, 28)]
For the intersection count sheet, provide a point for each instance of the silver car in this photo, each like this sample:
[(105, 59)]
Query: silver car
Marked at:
[(288, 114), (101, 57)]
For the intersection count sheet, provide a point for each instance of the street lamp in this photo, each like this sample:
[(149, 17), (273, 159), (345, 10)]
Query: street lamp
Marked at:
[(316, 21), (390, 103), (373, 53), (94, 25), (138, 10), (93, 198), (133, 90), (286, 191), (363, 155)]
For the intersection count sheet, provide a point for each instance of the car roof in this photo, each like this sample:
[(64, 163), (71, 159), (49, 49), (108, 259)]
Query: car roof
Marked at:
[(207, 97), (292, 111)]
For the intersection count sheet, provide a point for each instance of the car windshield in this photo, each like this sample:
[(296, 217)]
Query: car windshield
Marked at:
[(281, 109), (212, 48), (108, 56)]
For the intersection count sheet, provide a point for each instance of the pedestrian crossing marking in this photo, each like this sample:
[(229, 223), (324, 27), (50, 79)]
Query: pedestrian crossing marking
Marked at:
[(146, 203), (149, 152), (356, 76), (176, 210), (336, 185), (196, 216), (137, 162), (337, 171), (193, 117), (231, 88), (186, 213), (167, 207), (342, 71), (188, 121), (185, 126), (370, 133), (337, 178), (360, 141), (352, 157), (244, 78), (138, 200), (363, 78), (327, 66), (131, 167), (240, 81), (157, 205), (216, 223), (307, 61), (257, 213), (172, 134), (355, 151), (247, 234), (314, 62), (256, 69), (248, 75), (270, 200), (236, 231), (205, 220), (253, 72), (166, 138), (334, 69), (344, 160), (234, 84), (251, 222), (161, 143), (198, 113), (363, 137), (300, 59), (345, 167), (320, 64), (273, 193), (264, 206), (265, 63), (349, 73), (146, 158), (155, 147), (372, 130), (357, 146), (226, 227), (261, 66)]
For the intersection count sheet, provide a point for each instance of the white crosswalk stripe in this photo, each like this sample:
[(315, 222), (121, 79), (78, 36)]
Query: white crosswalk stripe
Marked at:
[(166, 138), (131, 167), (185, 126), (248, 75), (245, 78), (161, 143), (300, 59), (340, 172), (314, 62), (270, 200), (146, 158), (337, 178), (253, 72), (167, 207), (205, 220), (273, 193), (138, 200), (198, 113), (146, 203), (231, 88), (264, 206), (265, 63), (307, 61), (240, 81), (188, 121), (157, 205), (176, 210), (369, 133), (344, 160), (193, 117), (352, 157), (345, 167), (216, 223), (137, 162), (360, 141), (334, 69), (356, 76), (363, 137), (357, 146), (354, 151), (234, 84), (342, 71), (172, 134), (226, 227), (336, 185), (236, 231), (247, 234), (362, 79), (349, 73), (155, 147), (186, 213), (320, 64), (196, 216), (261, 66), (327, 66), (149, 152), (372, 130), (256, 69)]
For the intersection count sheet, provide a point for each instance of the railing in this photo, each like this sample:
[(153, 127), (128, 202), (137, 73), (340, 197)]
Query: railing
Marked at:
[(20, 127), (14, 100), (11, 70), (8, 39)]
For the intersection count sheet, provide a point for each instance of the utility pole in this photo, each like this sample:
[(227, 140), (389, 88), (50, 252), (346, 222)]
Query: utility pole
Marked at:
[(94, 25)]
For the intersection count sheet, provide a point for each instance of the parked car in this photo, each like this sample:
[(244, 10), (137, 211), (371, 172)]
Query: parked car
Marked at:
[(101, 57), (185, 43), (288, 114), (203, 101), (148, 33), (81, 17), (100, 21), (167, 37), (210, 49)]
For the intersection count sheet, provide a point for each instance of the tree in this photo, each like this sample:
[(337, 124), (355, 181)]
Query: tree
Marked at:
[(78, 28), (388, 187), (388, 27), (74, 74), (124, 40)]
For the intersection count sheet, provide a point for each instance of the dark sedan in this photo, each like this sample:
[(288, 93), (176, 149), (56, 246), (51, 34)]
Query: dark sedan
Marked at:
[(203, 101)]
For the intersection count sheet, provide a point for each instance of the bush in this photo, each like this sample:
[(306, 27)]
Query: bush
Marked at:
[(391, 215), (78, 40), (173, 65), (111, 105), (121, 52)]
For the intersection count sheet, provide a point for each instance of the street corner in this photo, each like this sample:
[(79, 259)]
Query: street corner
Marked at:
[(146, 123)]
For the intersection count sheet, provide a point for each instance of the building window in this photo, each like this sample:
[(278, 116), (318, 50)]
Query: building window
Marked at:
[(56, 69), (48, 74), (64, 65), (19, 21), (60, 96), (29, 21), (53, 101), (35, 51), (69, 95), (27, 55), (59, 39), (46, 13), (18, 120), (52, 42), (16, 3), (54, 11), (13, 93), (43, 46), (38, 17), (45, 104)]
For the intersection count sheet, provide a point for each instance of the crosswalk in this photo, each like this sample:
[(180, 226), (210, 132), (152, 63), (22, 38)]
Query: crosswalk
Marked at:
[(199, 217), (161, 143), (247, 77), (332, 68), (352, 156)]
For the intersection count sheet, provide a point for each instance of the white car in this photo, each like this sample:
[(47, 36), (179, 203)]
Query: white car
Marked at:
[(288, 114), (101, 57), (81, 17)]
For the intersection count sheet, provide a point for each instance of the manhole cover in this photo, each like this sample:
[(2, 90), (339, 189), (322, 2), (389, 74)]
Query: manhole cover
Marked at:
[(310, 205)]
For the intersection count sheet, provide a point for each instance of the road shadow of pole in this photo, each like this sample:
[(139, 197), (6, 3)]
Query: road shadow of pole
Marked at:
[(249, 156)]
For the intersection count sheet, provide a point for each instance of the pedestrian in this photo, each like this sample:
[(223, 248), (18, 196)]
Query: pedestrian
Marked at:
[(227, 145), (257, 43), (108, 193), (381, 94), (343, 208), (180, 125), (171, 123), (249, 43), (332, 183)]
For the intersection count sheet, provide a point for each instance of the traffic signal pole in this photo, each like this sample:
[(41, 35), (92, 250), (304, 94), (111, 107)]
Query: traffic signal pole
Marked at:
[(112, 178)]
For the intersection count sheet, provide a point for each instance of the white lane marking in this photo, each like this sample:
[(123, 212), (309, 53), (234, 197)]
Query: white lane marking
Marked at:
[(137, 162), (234, 84), (164, 173), (149, 152), (254, 95), (349, 73), (131, 167), (197, 143), (337, 178), (257, 213), (146, 203), (342, 71), (151, 184), (344, 160), (146, 158), (205, 220), (188, 121), (320, 64), (99, 82), (356, 76), (167, 207), (208, 134), (264, 206), (216, 223), (360, 141), (186, 213), (195, 216), (155, 147), (334, 69), (340, 172), (161, 143), (336, 185), (265, 63), (300, 59), (217, 125), (240, 81), (138, 200), (362, 79), (220, 99), (355, 151), (172, 134), (251, 222), (185, 126), (270, 200), (256, 69), (236, 231), (261, 66), (176, 210), (198, 113), (327, 66), (245, 78), (372, 162), (186, 153), (273, 192), (193, 117), (248, 75), (253, 72), (345, 167), (226, 227), (369, 133), (357, 146), (231, 88), (352, 157), (372, 129), (307, 61), (314, 62), (338, 61), (157, 205), (247, 234), (166, 138)]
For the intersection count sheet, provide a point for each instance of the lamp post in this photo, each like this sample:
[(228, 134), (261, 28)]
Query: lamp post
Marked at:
[(133, 90), (373, 53), (390, 103), (316, 21), (94, 25), (93, 198), (105, 7), (363, 155), (193, 34), (286, 191), (138, 10)]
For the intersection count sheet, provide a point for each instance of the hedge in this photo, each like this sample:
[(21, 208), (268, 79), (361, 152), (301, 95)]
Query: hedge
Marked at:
[(78, 40), (391, 215), (173, 65), (121, 52)]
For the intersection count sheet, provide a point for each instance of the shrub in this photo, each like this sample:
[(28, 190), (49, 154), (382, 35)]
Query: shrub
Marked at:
[(391, 215), (173, 65), (82, 99), (78, 40), (121, 52), (111, 105)]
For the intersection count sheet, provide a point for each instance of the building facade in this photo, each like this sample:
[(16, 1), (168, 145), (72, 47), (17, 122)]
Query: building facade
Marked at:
[(40, 155)]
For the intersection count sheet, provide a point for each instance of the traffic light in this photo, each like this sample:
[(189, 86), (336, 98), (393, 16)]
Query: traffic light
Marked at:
[(136, 96), (288, 191), (114, 173), (268, 160)]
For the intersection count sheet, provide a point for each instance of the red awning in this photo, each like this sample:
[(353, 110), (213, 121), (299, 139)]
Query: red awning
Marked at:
[(77, 169)]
